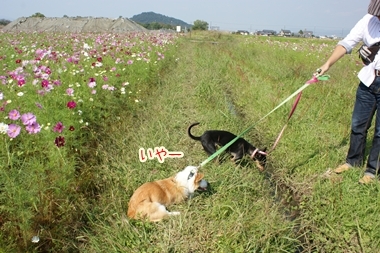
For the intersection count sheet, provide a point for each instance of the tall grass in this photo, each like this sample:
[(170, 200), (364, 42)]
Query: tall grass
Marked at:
[(75, 197)]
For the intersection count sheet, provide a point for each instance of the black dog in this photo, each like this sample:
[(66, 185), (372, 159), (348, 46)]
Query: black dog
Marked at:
[(238, 149)]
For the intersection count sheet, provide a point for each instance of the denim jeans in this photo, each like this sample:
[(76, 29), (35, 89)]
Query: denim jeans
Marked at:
[(366, 104)]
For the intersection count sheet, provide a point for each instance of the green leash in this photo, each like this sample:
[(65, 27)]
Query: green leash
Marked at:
[(312, 80)]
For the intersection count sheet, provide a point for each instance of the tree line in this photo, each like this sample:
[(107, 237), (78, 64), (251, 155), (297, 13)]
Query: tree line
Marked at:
[(198, 25)]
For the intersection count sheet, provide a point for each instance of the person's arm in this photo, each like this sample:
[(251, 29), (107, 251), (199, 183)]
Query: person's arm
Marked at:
[(346, 45), (338, 53)]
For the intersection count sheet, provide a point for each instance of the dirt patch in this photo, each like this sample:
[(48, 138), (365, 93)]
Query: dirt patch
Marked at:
[(78, 24)]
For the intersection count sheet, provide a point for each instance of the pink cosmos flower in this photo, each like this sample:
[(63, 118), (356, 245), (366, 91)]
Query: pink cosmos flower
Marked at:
[(92, 82), (59, 127), (41, 92), (39, 105), (14, 115), (20, 82), (28, 118), (129, 62), (13, 130), (60, 141), (70, 91), (44, 83), (57, 82), (33, 128), (71, 104)]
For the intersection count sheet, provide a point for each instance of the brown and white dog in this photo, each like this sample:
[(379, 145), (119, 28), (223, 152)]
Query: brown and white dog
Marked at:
[(149, 201), (210, 139)]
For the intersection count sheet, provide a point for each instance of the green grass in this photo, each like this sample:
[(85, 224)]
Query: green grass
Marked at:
[(225, 82)]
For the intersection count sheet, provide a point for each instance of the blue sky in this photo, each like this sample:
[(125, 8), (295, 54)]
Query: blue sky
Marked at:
[(323, 17)]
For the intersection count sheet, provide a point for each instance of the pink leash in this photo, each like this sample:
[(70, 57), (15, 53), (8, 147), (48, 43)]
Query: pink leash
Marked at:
[(314, 79)]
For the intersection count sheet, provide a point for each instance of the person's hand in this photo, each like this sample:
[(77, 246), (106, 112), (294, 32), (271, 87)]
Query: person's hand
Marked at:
[(365, 52), (317, 72)]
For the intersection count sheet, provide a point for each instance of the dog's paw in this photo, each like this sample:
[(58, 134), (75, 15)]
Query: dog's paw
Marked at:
[(259, 166)]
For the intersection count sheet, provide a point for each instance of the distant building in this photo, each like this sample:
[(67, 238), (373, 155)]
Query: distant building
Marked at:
[(242, 32), (285, 33), (267, 32), (308, 34)]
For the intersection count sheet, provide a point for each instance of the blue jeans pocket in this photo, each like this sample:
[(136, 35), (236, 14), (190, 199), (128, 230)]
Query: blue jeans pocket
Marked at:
[(375, 86)]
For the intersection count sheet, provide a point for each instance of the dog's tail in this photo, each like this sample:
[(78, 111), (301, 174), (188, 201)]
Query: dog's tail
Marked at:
[(197, 138)]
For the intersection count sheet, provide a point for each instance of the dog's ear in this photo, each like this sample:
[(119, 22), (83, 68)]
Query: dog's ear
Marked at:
[(199, 177)]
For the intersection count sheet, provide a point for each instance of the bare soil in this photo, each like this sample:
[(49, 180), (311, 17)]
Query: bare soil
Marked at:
[(70, 24)]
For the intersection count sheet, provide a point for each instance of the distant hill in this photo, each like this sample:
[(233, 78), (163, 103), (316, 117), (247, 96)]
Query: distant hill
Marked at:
[(151, 17)]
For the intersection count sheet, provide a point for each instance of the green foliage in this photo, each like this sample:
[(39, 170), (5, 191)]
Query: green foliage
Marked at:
[(77, 196), (4, 21), (157, 26), (46, 190), (155, 18), (200, 25), (37, 15)]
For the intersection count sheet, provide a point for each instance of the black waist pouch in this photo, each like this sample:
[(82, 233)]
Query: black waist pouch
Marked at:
[(374, 49)]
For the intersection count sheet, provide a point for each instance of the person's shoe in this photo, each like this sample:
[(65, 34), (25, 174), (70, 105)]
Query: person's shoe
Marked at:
[(342, 168), (367, 179)]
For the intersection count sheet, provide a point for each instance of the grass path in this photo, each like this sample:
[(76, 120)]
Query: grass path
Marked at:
[(230, 85), (239, 214)]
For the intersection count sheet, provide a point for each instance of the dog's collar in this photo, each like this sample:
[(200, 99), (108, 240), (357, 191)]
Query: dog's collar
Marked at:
[(257, 151)]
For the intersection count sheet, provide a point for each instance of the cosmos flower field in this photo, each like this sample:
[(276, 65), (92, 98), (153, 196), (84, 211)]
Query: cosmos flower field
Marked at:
[(55, 89), (50, 81)]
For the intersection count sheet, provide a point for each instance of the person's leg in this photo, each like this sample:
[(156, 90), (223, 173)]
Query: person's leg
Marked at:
[(373, 158), (364, 109)]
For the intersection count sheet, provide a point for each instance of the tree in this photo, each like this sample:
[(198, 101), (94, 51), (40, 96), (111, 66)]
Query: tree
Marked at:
[(38, 15), (4, 22), (200, 25)]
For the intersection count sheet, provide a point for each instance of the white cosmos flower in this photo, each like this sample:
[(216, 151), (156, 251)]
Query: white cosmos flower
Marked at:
[(20, 94), (3, 128), (35, 239), (86, 46)]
